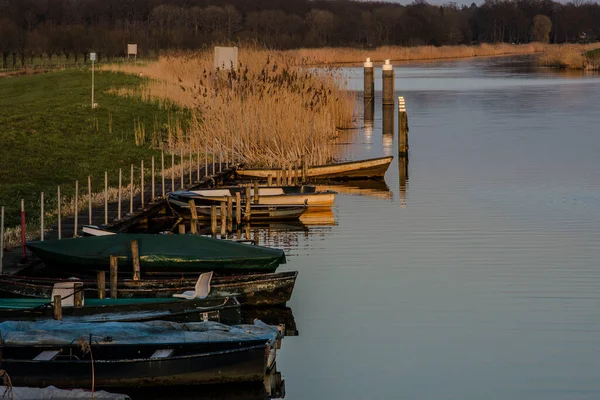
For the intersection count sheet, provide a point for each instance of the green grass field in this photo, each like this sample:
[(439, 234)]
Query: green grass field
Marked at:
[(50, 135)]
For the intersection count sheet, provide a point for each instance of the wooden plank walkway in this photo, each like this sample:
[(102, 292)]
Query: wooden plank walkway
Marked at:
[(12, 258)]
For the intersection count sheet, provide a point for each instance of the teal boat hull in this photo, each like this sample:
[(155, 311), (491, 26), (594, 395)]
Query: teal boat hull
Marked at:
[(159, 254)]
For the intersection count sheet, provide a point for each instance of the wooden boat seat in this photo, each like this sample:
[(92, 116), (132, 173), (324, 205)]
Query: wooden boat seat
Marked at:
[(47, 355), (201, 290), (163, 353), (213, 193)]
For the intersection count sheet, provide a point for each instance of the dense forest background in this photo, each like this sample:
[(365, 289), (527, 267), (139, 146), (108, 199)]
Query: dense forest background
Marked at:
[(72, 28)]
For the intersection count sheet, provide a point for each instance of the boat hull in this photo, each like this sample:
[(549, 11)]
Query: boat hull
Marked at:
[(258, 212), (252, 289), (366, 169), (245, 364)]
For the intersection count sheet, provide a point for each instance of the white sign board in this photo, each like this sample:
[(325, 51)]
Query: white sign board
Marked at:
[(92, 56), (132, 49), (225, 57)]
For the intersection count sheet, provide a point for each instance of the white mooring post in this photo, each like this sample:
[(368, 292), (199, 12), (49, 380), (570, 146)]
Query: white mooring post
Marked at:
[(93, 59), (387, 72)]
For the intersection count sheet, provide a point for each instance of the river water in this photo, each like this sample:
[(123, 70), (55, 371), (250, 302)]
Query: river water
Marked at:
[(478, 274)]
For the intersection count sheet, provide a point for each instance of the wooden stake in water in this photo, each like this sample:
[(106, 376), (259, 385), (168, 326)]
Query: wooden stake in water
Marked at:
[(114, 271), (269, 180), (105, 197), (76, 209), (135, 257), (206, 159), (247, 216), (57, 307), (120, 193), (153, 192), (194, 213), (162, 163), (142, 183), (213, 220), (255, 192), (229, 213), (42, 217), (238, 208), (101, 277), (89, 200), (191, 163), (131, 192), (223, 218), (58, 215)]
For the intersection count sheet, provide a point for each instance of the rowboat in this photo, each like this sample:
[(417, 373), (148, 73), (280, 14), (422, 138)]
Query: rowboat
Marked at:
[(270, 195), (158, 254), (258, 212), (373, 168), (126, 310), (250, 289), (136, 354)]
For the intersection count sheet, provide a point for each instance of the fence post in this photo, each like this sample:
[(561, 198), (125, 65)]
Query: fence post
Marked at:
[(213, 220), (198, 164), (120, 193), (105, 197), (57, 307), (76, 216), (181, 165), (58, 213), (90, 200), (114, 271), (101, 277), (42, 217), (206, 159), (153, 179), (172, 172), (223, 218), (191, 162), (162, 161), (23, 229), (229, 213), (131, 192), (135, 256), (238, 208), (142, 183)]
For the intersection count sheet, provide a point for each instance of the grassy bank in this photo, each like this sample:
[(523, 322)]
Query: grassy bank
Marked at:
[(269, 111), (51, 136), (572, 56), (341, 55)]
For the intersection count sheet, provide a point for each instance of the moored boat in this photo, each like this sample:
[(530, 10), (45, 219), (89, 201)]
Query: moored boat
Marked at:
[(267, 195), (249, 289), (158, 254), (126, 310), (373, 168), (123, 354)]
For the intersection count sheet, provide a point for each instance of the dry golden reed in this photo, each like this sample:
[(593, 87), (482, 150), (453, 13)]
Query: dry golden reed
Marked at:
[(269, 111), (571, 56), (341, 55)]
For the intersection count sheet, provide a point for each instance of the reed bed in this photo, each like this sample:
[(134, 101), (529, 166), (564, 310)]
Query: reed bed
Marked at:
[(341, 55), (571, 56), (269, 111)]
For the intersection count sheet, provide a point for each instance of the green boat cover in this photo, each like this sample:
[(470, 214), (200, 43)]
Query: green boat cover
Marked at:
[(159, 254)]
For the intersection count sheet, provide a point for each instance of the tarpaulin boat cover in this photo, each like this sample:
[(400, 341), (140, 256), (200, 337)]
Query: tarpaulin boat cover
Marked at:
[(51, 332), (51, 392)]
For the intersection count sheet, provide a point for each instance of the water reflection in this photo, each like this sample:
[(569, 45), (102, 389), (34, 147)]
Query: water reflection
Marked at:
[(403, 178), (272, 316), (388, 120), (372, 188)]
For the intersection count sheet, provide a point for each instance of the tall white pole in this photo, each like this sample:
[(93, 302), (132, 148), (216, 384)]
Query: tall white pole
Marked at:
[(93, 82)]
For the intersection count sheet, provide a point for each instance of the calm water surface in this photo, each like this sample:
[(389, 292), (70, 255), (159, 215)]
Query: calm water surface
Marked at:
[(478, 275)]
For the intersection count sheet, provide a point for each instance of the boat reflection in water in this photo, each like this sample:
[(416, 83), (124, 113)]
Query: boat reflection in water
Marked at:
[(273, 387), (272, 316), (318, 217), (372, 188)]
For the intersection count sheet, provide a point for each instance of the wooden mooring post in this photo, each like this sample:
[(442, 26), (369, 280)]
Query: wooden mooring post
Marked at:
[(142, 183), (402, 128), (304, 168), (181, 228), (269, 180), (78, 294), (135, 257), (172, 172), (256, 192), (223, 218), (162, 175), (247, 213), (387, 72), (194, 213), (229, 214), (114, 271), (369, 81), (290, 174), (57, 307), (238, 208), (101, 278), (190, 168), (198, 164), (213, 220), (181, 166)]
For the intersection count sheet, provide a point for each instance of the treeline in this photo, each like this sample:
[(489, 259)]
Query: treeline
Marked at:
[(72, 28)]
